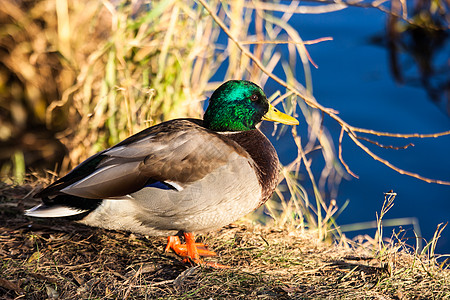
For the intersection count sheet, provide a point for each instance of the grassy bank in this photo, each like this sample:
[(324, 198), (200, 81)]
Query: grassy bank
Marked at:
[(63, 260)]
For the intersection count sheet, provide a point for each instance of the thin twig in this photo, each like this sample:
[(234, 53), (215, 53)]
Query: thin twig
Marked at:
[(387, 163), (385, 146), (341, 159), (310, 42)]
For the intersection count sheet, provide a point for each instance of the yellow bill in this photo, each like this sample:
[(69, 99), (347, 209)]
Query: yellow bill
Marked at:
[(275, 115)]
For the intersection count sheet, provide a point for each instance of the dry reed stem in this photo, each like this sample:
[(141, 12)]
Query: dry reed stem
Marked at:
[(341, 159)]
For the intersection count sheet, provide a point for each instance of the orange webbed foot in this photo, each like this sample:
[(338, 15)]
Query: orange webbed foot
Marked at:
[(191, 251), (174, 243)]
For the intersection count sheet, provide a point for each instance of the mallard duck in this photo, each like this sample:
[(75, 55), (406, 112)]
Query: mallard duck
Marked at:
[(177, 177)]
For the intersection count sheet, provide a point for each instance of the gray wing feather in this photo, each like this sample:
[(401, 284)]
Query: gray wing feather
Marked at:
[(175, 156)]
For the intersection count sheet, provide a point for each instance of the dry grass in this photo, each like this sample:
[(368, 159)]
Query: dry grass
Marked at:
[(64, 260), (93, 72)]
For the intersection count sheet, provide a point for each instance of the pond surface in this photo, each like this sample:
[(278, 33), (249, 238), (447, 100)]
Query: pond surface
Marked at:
[(354, 78)]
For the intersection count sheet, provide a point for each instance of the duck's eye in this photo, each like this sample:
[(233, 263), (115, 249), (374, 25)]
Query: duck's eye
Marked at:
[(254, 97)]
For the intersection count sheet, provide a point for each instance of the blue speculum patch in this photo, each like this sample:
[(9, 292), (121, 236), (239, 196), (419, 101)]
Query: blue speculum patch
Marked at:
[(160, 185)]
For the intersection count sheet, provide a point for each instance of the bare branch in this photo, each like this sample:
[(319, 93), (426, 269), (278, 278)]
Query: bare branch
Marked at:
[(330, 112), (387, 163), (401, 135)]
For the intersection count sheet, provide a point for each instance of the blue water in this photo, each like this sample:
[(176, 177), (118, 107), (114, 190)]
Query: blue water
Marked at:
[(354, 78)]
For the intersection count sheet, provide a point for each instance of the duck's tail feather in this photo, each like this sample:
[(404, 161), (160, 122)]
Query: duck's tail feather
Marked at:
[(53, 211)]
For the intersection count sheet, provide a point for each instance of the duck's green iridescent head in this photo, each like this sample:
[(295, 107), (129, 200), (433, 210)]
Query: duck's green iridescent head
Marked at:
[(239, 105)]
